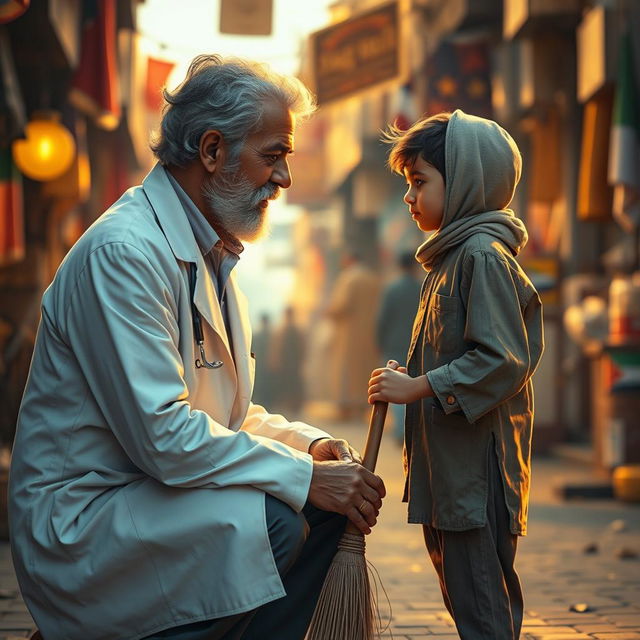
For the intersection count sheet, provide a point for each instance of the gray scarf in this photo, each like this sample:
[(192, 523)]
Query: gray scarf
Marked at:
[(483, 166)]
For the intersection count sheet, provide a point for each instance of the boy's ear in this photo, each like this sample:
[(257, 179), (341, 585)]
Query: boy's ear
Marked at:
[(212, 150)]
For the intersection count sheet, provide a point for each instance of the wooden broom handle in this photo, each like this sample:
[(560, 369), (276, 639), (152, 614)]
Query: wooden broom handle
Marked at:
[(372, 446), (374, 436)]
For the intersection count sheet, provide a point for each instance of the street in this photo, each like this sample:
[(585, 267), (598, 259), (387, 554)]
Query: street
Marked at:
[(571, 557)]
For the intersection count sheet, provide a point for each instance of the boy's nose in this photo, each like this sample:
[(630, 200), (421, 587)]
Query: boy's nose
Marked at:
[(408, 197)]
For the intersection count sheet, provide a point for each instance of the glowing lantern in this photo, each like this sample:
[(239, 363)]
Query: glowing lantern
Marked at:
[(48, 150)]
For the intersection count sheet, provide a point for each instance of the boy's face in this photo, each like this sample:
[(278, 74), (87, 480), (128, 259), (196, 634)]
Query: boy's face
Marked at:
[(425, 195)]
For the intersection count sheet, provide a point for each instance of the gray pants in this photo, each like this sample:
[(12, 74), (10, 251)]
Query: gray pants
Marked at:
[(303, 547), (479, 584)]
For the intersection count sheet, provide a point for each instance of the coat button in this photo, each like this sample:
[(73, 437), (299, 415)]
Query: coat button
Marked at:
[(451, 400)]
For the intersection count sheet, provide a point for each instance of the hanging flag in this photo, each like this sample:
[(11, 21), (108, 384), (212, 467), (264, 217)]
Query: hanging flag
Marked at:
[(624, 149), (12, 9), (11, 211), (594, 193), (157, 73), (94, 88), (545, 172)]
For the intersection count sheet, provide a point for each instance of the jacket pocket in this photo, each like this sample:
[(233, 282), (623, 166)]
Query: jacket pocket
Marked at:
[(442, 323)]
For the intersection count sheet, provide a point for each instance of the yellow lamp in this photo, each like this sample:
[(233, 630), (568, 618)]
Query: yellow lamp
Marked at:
[(48, 150)]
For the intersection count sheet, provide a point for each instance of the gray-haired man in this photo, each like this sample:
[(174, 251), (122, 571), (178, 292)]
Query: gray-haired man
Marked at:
[(149, 497)]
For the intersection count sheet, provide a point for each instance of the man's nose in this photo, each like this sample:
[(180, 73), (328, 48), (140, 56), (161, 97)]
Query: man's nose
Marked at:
[(282, 175)]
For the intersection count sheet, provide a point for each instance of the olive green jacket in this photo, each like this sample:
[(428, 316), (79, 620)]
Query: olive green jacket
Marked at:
[(478, 337)]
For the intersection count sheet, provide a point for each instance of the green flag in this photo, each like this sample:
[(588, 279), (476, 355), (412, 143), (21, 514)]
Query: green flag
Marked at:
[(624, 150)]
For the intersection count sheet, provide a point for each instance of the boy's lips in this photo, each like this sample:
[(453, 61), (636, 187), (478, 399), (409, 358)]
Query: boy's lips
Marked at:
[(414, 214)]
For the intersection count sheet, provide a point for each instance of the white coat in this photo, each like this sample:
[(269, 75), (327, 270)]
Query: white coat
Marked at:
[(137, 481)]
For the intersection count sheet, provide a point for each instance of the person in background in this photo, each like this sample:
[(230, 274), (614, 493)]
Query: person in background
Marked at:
[(356, 293), (476, 343), (263, 387), (395, 320), (287, 355), (149, 497)]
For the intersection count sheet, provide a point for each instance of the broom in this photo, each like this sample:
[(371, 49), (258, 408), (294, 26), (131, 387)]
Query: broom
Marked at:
[(347, 607)]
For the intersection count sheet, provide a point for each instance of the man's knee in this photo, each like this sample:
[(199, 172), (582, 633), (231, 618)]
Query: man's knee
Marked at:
[(288, 531)]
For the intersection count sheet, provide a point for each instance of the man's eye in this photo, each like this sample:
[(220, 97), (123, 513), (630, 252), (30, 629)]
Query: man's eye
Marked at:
[(272, 158)]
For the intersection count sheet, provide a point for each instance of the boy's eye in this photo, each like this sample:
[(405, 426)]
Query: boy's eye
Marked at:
[(418, 182)]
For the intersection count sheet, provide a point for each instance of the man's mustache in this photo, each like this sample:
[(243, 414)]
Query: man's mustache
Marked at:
[(270, 191)]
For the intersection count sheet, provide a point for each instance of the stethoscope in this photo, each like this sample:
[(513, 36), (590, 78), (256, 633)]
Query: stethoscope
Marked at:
[(201, 362)]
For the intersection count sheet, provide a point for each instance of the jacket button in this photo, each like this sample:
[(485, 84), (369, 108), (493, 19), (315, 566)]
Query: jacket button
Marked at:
[(451, 400)]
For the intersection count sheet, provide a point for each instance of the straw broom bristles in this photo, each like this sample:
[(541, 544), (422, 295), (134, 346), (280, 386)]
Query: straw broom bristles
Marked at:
[(347, 608)]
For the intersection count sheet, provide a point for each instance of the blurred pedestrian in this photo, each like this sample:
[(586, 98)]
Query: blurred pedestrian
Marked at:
[(352, 308), (287, 356), (467, 384), (395, 320), (263, 387), (149, 497)]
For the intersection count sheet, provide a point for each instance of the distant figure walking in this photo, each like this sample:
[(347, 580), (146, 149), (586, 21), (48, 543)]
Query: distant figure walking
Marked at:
[(352, 308), (395, 320), (287, 355), (262, 340)]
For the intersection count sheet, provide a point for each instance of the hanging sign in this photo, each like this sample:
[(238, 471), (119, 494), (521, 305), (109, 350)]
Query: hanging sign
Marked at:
[(246, 17), (357, 54)]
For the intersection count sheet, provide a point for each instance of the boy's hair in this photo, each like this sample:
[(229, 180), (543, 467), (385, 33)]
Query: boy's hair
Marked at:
[(425, 139)]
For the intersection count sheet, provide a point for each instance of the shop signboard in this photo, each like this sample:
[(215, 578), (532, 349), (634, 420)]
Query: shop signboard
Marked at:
[(357, 53)]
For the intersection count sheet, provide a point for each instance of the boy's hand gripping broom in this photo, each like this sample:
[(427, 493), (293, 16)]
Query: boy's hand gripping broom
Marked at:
[(347, 607)]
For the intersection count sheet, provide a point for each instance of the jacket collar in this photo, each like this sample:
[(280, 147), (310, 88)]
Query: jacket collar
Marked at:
[(165, 202), (177, 230)]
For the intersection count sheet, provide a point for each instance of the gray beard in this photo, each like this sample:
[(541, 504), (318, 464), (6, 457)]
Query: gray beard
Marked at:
[(234, 204)]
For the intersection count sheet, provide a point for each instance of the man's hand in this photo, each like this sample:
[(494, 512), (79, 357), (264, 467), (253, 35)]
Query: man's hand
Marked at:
[(330, 449), (347, 488), (393, 384)]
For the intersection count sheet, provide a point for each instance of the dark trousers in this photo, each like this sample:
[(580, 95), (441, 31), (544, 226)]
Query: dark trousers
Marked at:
[(479, 584), (303, 547)]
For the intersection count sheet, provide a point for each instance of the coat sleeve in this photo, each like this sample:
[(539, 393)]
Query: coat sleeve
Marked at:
[(504, 323), (298, 435), (121, 324)]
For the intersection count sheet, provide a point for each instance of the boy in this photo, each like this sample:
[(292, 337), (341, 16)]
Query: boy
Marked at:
[(477, 339)]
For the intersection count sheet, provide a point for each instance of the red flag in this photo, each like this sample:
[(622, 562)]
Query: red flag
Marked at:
[(95, 83), (11, 211), (12, 9), (157, 73)]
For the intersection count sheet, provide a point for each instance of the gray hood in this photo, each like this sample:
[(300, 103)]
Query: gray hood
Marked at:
[(483, 167)]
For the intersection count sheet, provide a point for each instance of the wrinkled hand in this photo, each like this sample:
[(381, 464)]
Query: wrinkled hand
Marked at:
[(349, 489), (333, 449), (393, 384)]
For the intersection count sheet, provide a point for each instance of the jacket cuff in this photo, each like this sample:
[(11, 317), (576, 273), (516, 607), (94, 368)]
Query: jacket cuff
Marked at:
[(298, 490), (445, 392), (307, 434)]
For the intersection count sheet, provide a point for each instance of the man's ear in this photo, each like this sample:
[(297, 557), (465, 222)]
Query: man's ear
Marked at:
[(212, 150)]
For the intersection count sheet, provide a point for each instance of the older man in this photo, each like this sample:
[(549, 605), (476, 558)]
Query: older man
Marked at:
[(149, 497)]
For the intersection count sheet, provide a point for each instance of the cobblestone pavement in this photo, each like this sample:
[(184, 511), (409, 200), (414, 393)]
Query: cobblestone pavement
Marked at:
[(556, 570)]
